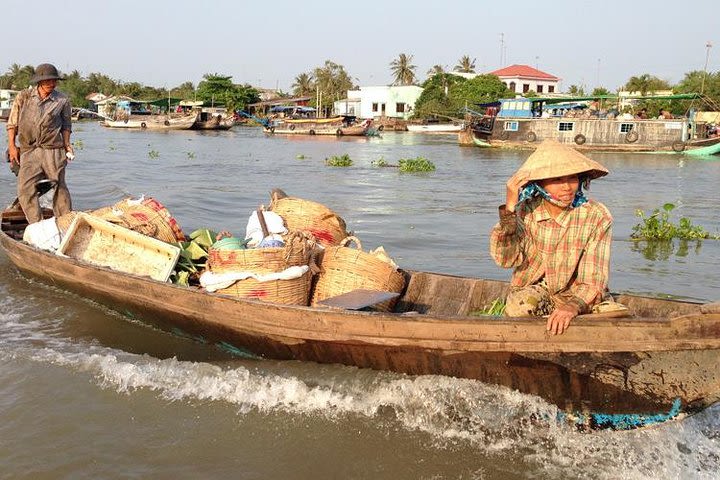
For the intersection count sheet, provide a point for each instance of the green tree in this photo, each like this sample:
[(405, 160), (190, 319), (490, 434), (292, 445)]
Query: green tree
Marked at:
[(220, 90), (436, 69), (697, 80), (185, 90), (600, 91), (576, 91), (76, 88), (646, 83), (17, 77), (304, 85), (403, 70), (446, 94), (465, 65), (333, 82)]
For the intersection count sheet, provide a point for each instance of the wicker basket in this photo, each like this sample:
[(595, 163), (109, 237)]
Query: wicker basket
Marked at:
[(345, 269), (304, 215), (296, 252), (150, 218)]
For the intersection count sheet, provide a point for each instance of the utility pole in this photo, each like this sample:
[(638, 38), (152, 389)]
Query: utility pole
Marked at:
[(708, 46), (502, 50)]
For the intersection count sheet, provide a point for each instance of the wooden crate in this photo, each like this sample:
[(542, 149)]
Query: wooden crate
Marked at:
[(102, 243)]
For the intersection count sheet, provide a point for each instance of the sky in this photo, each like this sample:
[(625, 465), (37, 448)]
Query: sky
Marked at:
[(164, 43)]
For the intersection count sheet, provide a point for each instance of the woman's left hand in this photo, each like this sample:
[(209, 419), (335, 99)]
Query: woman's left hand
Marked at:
[(559, 319)]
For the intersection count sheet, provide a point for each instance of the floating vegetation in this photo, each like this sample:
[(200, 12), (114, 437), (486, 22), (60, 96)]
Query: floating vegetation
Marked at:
[(339, 161), (658, 226), (190, 155), (301, 156), (419, 164), (153, 154), (496, 308), (78, 144), (112, 146), (380, 162)]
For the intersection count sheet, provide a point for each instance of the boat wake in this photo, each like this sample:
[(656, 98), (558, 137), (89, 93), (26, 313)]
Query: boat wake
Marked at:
[(449, 413)]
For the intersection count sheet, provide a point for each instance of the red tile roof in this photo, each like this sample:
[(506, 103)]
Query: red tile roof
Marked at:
[(523, 71)]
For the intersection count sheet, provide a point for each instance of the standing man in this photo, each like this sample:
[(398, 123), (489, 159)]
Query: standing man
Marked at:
[(40, 120)]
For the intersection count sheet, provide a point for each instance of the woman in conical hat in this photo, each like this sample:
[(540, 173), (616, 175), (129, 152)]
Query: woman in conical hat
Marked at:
[(557, 241)]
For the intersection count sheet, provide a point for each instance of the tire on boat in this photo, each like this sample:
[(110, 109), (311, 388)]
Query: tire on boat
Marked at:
[(531, 137), (678, 146), (166, 123), (125, 121), (339, 132), (143, 125), (292, 127), (381, 128), (580, 139), (272, 129), (311, 132), (504, 135), (631, 136)]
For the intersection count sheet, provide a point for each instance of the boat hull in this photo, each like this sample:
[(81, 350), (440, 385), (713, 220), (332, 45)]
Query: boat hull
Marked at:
[(328, 128), (609, 135), (153, 123), (614, 366)]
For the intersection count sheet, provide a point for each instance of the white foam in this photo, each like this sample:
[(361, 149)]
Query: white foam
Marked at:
[(493, 419)]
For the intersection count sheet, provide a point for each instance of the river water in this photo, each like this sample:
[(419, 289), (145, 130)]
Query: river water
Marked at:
[(88, 393)]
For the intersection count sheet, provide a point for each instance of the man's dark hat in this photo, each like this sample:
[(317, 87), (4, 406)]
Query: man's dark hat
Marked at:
[(46, 71)]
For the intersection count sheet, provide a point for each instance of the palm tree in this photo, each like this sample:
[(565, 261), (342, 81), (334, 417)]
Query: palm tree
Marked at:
[(435, 70), (646, 83), (403, 71), (465, 65), (304, 85)]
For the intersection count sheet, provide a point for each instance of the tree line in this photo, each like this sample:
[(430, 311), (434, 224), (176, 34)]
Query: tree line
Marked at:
[(213, 88), (444, 94)]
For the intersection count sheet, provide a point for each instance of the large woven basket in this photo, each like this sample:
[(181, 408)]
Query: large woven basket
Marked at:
[(148, 217), (326, 226), (151, 218), (344, 269), (296, 252)]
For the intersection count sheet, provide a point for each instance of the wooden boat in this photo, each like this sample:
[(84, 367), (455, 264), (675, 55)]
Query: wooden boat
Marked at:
[(154, 122), (338, 126), (213, 118), (523, 122), (661, 361)]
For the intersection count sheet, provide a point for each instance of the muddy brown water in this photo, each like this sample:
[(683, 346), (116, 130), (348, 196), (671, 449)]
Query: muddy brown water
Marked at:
[(88, 393)]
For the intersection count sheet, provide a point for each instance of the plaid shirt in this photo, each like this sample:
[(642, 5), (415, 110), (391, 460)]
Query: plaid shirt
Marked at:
[(40, 122), (571, 252)]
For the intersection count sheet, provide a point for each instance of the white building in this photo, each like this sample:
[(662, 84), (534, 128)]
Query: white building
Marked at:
[(524, 78), (380, 101), (6, 101)]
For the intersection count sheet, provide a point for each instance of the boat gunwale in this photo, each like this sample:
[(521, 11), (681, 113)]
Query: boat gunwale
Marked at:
[(526, 334)]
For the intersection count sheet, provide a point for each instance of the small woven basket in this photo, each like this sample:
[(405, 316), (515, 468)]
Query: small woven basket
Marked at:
[(296, 252), (326, 226), (344, 269)]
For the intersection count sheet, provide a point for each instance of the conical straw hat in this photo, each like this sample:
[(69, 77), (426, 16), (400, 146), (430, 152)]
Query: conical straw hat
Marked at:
[(553, 159)]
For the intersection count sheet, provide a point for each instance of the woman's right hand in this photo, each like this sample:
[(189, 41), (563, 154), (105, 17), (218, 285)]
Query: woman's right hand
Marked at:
[(514, 185)]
